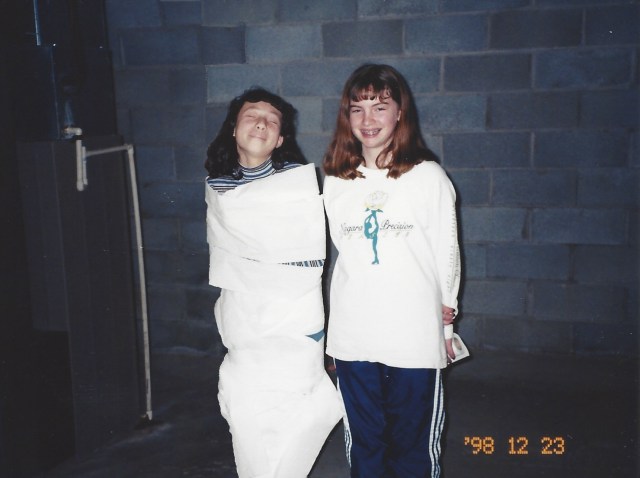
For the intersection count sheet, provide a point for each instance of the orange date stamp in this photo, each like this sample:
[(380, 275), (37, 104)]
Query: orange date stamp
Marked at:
[(517, 445)]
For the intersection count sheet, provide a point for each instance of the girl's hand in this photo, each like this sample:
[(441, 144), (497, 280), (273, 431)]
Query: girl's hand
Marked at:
[(451, 355), (448, 315)]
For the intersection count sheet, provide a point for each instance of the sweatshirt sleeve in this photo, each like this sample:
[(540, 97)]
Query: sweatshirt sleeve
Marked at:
[(445, 238)]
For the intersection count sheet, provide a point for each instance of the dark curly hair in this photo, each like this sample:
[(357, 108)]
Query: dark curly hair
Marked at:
[(222, 153)]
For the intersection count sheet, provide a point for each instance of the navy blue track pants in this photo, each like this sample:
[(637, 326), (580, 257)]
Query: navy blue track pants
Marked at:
[(394, 419)]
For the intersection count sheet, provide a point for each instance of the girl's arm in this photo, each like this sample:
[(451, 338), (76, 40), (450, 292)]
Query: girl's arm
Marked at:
[(445, 239)]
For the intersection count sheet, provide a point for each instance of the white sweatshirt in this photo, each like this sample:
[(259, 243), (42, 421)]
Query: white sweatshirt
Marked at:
[(398, 263)]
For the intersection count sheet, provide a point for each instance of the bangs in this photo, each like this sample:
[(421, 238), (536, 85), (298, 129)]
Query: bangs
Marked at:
[(257, 95), (370, 92)]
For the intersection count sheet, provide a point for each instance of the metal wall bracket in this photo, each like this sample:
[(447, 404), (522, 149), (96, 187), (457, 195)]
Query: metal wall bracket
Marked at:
[(82, 154)]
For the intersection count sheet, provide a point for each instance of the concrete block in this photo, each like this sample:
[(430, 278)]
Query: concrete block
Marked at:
[(214, 117), (575, 3), (452, 112), (470, 329), (533, 188), (193, 235), (482, 5), (599, 304), (330, 108), (608, 187), (533, 110), (224, 12), (150, 87), (226, 82), (161, 46), (357, 39), (434, 143), (612, 25), (610, 109), (195, 268), (123, 14), (527, 336), (422, 74), (583, 68), (487, 72), (536, 28), (314, 146), (325, 78), (314, 11), (493, 224), (173, 200), (184, 334), (520, 261), (189, 163), (472, 187), (181, 12), (187, 86), (162, 267), (602, 339), (222, 45), (200, 303), (141, 87), (634, 227), (381, 8), (283, 42), (474, 261), (446, 33), (170, 125), (175, 267), (579, 303), (633, 300), (579, 226), (636, 78), (635, 149), (161, 335), (154, 163), (503, 298), (123, 120), (606, 265), (580, 148), (165, 303), (201, 336), (160, 234), (487, 150), (309, 113)]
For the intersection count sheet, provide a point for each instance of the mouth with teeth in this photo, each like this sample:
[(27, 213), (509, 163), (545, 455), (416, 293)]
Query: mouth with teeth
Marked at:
[(370, 133)]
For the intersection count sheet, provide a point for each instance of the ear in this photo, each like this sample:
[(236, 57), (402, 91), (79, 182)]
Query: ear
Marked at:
[(399, 114), (280, 141)]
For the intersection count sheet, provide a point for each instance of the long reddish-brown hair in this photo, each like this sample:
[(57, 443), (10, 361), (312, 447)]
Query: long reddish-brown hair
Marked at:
[(406, 149)]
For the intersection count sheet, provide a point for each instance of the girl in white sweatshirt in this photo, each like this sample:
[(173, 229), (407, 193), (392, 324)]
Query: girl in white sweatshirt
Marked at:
[(392, 218)]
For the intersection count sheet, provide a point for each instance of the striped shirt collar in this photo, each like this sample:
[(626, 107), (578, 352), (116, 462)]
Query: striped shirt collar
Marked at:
[(261, 171)]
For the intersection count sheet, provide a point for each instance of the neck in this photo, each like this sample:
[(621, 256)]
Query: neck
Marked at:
[(370, 158), (251, 161)]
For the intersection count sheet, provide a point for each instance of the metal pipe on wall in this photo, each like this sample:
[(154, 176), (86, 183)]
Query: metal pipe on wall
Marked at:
[(82, 154)]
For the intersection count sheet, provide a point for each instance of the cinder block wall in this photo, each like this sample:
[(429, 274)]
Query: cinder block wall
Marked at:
[(531, 105)]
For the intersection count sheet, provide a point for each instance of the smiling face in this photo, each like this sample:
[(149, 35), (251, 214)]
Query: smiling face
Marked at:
[(373, 123), (257, 133)]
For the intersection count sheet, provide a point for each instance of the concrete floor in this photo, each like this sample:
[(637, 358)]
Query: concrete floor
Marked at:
[(508, 415)]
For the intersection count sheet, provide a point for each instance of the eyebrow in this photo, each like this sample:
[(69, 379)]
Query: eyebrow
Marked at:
[(277, 115), (252, 108)]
